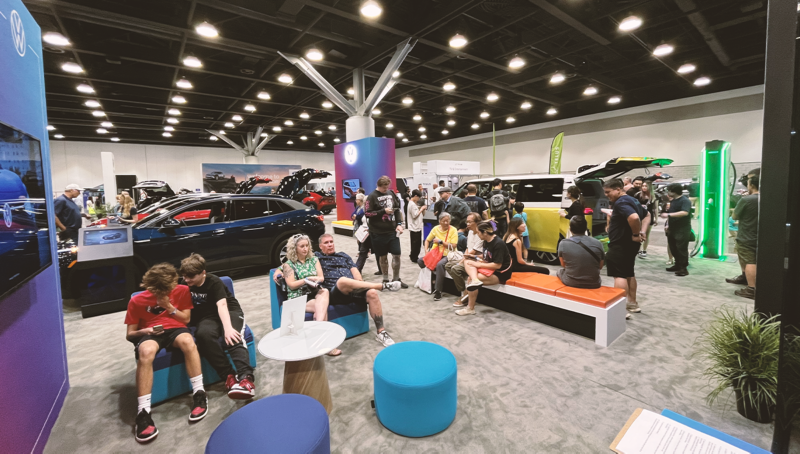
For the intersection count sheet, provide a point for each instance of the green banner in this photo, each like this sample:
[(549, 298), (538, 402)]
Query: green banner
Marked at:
[(555, 154)]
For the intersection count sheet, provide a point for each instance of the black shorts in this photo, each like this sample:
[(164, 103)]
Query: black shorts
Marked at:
[(385, 243), (621, 258), (164, 339), (357, 296)]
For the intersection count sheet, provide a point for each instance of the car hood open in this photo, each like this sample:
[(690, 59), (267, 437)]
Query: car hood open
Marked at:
[(618, 166)]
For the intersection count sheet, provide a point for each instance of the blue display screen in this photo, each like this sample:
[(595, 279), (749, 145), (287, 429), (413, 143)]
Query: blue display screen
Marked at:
[(104, 236), (24, 231), (350, 188)]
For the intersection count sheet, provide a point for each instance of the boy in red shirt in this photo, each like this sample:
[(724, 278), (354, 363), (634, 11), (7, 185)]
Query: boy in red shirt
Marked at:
[(157, 319)]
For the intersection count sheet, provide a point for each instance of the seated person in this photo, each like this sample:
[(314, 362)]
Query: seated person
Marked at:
[(444, 237), (519, 212), (462, 237), (474, 247), (156, 319), (581, 256), (217, 313), (493, 267), (345, 285), (514, 243)]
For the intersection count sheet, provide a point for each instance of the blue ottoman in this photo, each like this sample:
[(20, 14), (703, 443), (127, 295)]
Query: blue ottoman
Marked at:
[(415, 388), (286, 423)]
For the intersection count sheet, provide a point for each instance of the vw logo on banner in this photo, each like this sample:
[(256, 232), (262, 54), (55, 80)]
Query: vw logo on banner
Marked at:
[(18, 33), (350, 154), (7, 215)]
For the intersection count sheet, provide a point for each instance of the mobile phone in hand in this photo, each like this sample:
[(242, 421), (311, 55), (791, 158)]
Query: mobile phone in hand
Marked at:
[(158, 329), (310, 283)]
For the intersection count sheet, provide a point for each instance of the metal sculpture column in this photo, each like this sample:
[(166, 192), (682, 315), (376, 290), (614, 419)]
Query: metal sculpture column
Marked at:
[(251, 144)]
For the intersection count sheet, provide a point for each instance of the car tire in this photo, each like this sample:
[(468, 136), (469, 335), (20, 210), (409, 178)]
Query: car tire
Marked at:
[(312, 205), (279, 255)]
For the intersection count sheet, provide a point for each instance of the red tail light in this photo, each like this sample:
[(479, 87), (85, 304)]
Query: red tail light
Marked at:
[(321, 217)]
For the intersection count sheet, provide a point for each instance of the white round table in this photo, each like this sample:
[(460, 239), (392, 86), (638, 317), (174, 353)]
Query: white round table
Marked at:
[(304, 371)]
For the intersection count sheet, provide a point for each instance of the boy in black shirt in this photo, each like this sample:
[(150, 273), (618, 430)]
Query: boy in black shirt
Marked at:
[(217, 313), (679, 228), (385, 218), (625, 235)]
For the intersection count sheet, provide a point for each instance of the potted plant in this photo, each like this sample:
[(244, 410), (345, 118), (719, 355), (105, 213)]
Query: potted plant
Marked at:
[(741, 351)]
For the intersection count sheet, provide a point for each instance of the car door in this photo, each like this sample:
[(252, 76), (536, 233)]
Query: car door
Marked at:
[(253, 221), (201, 228)]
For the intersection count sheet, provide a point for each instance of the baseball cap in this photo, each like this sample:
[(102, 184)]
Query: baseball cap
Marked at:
[(73, 186), (445, 189), (416, 193)]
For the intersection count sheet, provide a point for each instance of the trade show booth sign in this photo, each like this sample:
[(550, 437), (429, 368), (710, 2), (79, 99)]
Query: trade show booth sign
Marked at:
[(359, 164), (223, 178)]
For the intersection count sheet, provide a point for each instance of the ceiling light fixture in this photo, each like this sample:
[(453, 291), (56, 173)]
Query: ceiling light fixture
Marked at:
[(408, 101), (55, 39), (526, 105), (183, 83), (422, 129), (72, 67), (314, 54), (451, 122), (337, 140), (687, 68), (318, 132), (98, 113), (417, 117), (174, 121), (167, 134), (702, 81), (396, 74), (614, 100), (250, 108), (475, 126), (449, 86), (371, 9), (263, 95), (169, 128), (288, 123), (222, 132), (229, 124), (303, 137), (115, 139), (663, 49), (450, 109), (174, 111), (332, 127), (458, 41), (376, 111), (400, 134), (213, 138), (83, 88), (304, 115), (445, 132), (236, 118), (510, 120), (58, 136), (277, 129), (192, 62), (207, 30), (289, 142), (484, 114), (264, 135), (178, 99), (552, 111), (285, 78), (492, 97), (102, 131), (630, 23), (405, 139), (389, 125), (327, 104), (107, 124), (557, 78), (590, 90), (351, 91), (516, 63), (321, 144), (423, 136), (51, 128)]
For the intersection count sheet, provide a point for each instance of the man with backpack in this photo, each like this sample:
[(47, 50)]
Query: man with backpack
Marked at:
[(498, 207), (455, 206)]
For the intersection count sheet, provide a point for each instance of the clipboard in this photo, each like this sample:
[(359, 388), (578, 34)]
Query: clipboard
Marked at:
[(624, 430)]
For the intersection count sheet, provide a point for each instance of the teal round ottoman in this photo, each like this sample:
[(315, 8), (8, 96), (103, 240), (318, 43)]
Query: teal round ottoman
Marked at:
[(415, 388)]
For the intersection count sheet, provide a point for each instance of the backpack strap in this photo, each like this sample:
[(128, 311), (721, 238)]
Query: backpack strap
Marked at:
[(598, 259)]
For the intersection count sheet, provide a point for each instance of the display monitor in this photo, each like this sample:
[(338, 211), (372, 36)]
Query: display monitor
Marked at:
[(350, 188), (24, 229), (97, 243)]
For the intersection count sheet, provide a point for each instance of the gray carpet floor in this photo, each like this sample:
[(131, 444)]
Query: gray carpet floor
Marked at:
[(522, 386)]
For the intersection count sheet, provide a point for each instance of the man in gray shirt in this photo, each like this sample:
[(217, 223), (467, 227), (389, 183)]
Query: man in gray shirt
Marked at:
[(746, 213), (581, 256)]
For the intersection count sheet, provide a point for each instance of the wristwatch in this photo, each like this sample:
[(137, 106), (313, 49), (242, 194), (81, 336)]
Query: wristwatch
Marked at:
[(174, 311)]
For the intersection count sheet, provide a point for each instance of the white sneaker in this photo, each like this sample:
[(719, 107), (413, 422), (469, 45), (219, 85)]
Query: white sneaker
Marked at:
[(474, 284), (392, 286), (670, 262), (466, 311), (384, 338)]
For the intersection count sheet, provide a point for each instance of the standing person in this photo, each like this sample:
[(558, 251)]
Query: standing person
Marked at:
[(475, 203), (445, 237), (385, 227), (679, 232), (157, 319), (513, 240), (406, 196), (746, 212), (581, 256), (435, 196), (519, 213), (217, 314), (68, 213), (625, 238), (365, 246), (474, 248), (512, 200), (495, 261), (576, 208), (128, 214), (742, 279), (636, 186), (498, 205), (626, 184), (645, 197), (455, 206), (415, 214)]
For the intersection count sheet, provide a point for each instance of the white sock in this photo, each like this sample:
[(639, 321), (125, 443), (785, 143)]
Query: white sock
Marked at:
[(144, 403), (197, 383)]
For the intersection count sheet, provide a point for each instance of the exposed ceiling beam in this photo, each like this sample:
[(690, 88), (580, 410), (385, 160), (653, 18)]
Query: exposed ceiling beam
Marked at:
[(701, 24), (554, 11)]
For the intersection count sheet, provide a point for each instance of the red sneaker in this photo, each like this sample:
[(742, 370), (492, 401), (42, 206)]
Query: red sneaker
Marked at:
[(230, 381), (245, 389), (199, 406)]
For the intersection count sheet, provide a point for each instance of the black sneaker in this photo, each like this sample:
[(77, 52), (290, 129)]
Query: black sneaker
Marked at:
[(673, 268), (145, 427), (683, 272), (747, 292), (738, 280), (199, 406), (379, 273), (402, 285), (437, 296)]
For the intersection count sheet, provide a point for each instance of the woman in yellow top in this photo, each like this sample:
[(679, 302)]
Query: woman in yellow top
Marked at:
[(445, 238)]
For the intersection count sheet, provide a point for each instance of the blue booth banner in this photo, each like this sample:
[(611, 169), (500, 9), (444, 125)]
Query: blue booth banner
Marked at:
[(359, 164)]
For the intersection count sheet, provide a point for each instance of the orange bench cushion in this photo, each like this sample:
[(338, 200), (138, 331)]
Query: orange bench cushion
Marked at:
[(600, 297), (537, 282)]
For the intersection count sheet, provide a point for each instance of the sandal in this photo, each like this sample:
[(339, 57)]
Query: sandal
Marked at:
[(335, 352)]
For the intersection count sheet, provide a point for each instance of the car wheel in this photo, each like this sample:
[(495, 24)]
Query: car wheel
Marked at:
[(280, 252), (312, 205), (328, 211)]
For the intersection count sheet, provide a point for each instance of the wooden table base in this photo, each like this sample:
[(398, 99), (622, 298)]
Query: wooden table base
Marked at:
[(308, 377)]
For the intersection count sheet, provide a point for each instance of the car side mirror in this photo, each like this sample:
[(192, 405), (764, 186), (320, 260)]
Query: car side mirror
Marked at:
[(170, 224)]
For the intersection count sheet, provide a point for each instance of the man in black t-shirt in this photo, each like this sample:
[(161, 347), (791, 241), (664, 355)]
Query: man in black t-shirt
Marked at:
[(495, 258), (385, 221), (746, 213), (475, 203), (679, 228), (625, 235), (216, 313)]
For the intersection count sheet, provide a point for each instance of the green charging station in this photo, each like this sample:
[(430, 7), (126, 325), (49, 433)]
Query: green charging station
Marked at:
[(714, 199)]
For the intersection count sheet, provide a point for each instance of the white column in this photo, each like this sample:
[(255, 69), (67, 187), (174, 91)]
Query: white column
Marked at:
[(109, 177), (359, 128), (251, 159)]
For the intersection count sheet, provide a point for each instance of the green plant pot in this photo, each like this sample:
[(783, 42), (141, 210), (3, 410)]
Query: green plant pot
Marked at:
[(763, 414)]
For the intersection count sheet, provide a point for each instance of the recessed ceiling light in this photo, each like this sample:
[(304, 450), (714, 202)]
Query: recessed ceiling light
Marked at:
[(178, 99), (405, 139), (422, 129), (51, 128), (169, 128), (449, 86), (55, 39), (83, 88), (318, 132), (236, 118), (264, 135), (630, 23), (332, 127), (229, 124), (516, 63), (450, 109), (371, 9), (98, 113), (445, 132), (115, 139), (314, 54), (72, 67), (526, 105), (192, 62), (92, 103), (59, 136), (475, 126), (510, 120), (172, 121), (263, 95), (304, 115), (207, 30), (351, 91), (687, 68), (167, 134), (396, 74), (590, 90), (663, 49), (417, 117), (408, 101), (303, 137), (289, 142), (285, 78), (250, 108), (389, 125), (552, 111), (376, 111), (183, 83), (174, 111), (107, 124), (458, 41), (451, 122), (321, 144), (423, 136), (222, 132), (277, 129), (614, 100), (400, 134), (492, 97), (213, 138), (557, 78), (702, 81), (484, 114), (102, 131), (336, 139), (327, 104), (288, 123)]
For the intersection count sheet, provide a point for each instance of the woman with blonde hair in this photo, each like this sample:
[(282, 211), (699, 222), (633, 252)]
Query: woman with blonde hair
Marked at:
[(129, 214), (302, 273)]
